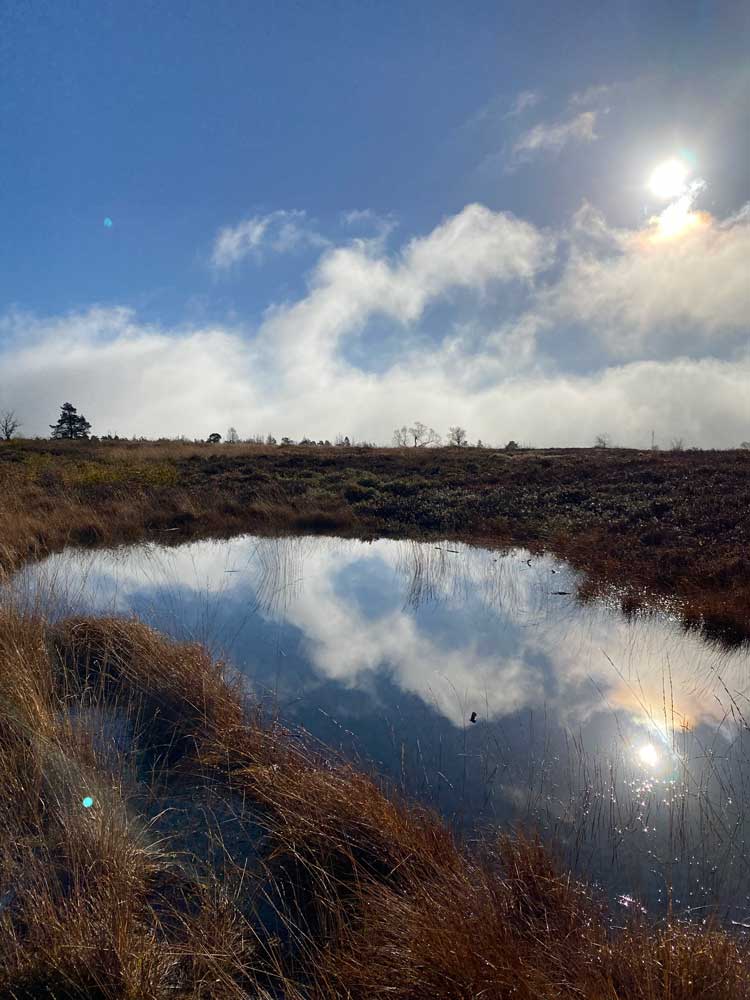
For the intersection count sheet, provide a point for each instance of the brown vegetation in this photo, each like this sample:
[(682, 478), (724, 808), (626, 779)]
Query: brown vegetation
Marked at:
[(652, 524), (226, 857)]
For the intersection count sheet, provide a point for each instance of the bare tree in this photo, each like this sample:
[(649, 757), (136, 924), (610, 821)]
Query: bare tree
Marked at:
[(457, 437), (8, 424), (423, 435), (745, 444), (401, 437), (677, 444), (232, 436), (602, 441)]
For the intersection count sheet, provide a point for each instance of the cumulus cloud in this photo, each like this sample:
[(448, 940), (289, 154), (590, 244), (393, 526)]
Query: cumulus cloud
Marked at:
[(148, 382), (470, 250), (551, 137), (126, 377), (669, 319), (278, 232), (638, 291)]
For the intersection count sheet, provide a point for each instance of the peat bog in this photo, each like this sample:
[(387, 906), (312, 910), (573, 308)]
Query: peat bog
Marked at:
[(653, 525), (350, 888)]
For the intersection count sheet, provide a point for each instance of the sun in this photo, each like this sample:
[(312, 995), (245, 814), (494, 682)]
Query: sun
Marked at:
[(648, 754), (669, 179)]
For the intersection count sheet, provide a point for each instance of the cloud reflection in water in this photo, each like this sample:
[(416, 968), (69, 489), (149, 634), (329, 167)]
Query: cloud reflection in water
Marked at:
[(598, 729)]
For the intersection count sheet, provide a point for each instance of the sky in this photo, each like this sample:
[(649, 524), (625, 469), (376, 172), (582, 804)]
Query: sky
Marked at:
[(319, 219)]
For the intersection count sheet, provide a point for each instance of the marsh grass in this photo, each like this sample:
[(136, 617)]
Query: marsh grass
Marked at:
[(645, 523), (226, 856)]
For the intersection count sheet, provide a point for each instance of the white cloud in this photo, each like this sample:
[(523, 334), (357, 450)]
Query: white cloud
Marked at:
[(551, 137), (365, 218), (145, 381), (125, 377), (492, 115), (279, 232), (235, 242), (469, 250), (639, 292), (668, 319), (525, 100)]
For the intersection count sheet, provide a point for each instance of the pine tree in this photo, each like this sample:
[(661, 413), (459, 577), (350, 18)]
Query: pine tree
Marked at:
[(70, 424)]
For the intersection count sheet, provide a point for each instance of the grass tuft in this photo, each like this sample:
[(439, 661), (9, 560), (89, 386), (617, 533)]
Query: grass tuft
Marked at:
[(225, 856)]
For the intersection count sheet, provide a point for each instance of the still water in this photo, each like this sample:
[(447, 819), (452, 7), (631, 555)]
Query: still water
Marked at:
[(477, 682)]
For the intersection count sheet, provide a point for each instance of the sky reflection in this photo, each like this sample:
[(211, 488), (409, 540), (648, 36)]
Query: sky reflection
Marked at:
[(623, 739)]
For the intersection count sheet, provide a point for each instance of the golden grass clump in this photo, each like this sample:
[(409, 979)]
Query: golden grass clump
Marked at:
[(224, 856)]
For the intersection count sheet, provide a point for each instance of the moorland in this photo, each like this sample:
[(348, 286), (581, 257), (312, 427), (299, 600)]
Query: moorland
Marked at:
[(161, 837), (651, 526)]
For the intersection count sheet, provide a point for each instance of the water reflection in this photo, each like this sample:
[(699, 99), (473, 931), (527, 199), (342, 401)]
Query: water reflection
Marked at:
[(623, 739)]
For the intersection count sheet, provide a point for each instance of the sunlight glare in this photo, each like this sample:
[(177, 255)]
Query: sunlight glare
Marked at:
[(669, 179), (675, 220), (648, 754)]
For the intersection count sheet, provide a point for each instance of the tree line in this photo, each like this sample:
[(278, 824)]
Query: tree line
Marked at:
[(74, 426)]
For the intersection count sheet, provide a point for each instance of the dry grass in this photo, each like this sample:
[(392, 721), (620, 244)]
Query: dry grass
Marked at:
[(653, 525), (345, 890)]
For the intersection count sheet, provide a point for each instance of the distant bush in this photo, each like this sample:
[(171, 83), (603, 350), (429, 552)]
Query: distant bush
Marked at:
[(356, 494), (406, 487), (368, 480)]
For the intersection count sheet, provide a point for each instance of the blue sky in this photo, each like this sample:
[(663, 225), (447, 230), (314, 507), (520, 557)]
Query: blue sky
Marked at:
[(334, 217)]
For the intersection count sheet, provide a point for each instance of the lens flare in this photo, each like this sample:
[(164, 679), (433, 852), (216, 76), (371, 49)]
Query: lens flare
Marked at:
[(87, 802), (108, 223), (669, 179)]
